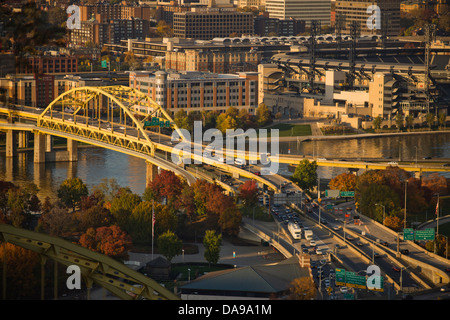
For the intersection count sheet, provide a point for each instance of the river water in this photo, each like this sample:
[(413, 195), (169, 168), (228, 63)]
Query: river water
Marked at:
[(95, 164)]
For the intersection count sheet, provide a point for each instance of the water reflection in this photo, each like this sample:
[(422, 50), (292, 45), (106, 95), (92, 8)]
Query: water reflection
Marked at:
[(94, 164)]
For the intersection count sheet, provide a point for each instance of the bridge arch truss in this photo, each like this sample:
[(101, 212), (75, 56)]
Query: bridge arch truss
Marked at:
[(109, 273)]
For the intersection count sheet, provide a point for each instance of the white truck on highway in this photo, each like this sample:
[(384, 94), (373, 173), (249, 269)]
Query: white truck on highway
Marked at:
[(295, 230), (308, 234)]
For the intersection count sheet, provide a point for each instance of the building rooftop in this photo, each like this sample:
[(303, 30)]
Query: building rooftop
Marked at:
[(268, 279)]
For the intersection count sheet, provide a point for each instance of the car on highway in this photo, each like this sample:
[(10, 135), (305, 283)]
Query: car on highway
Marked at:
[(359, 244), (404, 251), (396, 269), (392, 163), (349, 238), (337, 228), (257, 173), (344, 289), (312, 243)]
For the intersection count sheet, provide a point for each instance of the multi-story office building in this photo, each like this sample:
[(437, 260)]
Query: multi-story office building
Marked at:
[(114, 12), (100, 32), (265, 26), (304, 10), (209, 23), (198, 91), (48, 64), (356, 10), (212, 61)]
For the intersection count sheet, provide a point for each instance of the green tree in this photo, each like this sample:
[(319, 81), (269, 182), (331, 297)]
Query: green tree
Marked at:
[(123, 205), (399, 121), (409, 121), (305, 175), (139, 223), (212, 243), (263, 117), (430, 119), (71, 191), (181, 120), (230, 220), (169, 245), (377, 122), (442, 119)]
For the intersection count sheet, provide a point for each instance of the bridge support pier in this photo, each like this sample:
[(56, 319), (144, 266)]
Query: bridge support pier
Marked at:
[(152, 171), (48, 143), (72, 148), (11, 146), (39, 147), (23, 139)]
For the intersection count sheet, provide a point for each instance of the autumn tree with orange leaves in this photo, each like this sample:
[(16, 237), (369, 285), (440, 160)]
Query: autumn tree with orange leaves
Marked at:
[(110, 241), (343, 182), (248, 193), (21, 276)]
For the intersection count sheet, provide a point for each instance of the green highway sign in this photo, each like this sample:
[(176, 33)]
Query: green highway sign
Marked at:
[(347, 193), (351, 279), (408, 234), (156, 122), (411, 234), (426, 234)]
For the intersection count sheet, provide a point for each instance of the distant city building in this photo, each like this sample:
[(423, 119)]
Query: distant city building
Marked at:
[(212, 61), (38, 90), (265, 26), (304, 10), (99, 32), (356, 10), (114, 12), (258, 4), (48, 64), (157, 47), (198, 91), (209, 23)]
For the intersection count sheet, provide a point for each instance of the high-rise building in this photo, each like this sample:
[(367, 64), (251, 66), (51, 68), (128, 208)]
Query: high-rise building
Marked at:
[(356, 10), (304, 10), (209, 23)]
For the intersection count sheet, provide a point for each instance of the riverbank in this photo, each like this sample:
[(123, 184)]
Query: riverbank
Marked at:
[(358, 136)]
